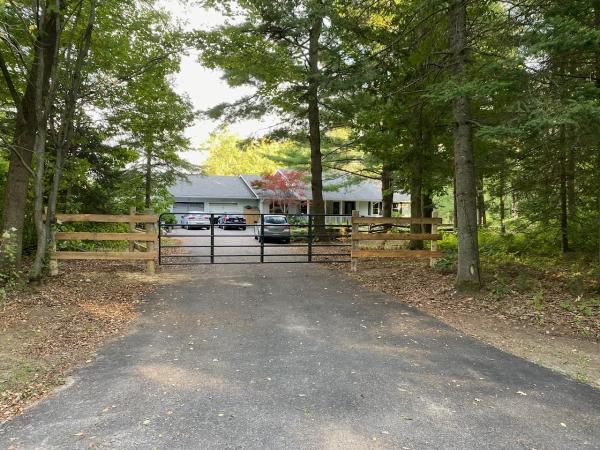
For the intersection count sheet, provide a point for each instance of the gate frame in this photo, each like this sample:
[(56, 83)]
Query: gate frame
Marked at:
[(310, 244)]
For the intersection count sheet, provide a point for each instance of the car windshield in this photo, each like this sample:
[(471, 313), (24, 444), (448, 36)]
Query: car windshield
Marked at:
[(276, 220)]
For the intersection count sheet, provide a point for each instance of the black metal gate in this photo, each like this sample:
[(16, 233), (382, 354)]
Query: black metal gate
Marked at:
[(218, 238)]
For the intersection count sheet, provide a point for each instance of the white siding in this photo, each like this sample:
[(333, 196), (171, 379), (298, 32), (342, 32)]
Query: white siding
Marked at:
[(363, 208)]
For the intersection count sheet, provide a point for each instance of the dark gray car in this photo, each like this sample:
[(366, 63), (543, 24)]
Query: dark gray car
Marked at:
[(276, 228)]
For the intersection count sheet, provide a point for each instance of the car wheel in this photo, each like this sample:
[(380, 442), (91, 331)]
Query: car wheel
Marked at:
[(286, 241)]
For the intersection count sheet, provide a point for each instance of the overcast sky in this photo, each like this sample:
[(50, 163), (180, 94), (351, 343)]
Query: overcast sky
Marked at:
[(205, 87)]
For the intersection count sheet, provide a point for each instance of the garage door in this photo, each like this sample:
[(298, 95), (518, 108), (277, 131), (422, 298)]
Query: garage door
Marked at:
[(231, 208), (180, 208)]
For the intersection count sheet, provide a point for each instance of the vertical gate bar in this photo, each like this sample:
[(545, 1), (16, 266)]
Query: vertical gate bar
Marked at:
[(310, 238), (262, 238), (212, 238), (150, 245), (354, 247)]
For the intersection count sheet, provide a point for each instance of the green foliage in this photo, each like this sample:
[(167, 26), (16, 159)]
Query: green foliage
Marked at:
[(538, 300), (10, 276), (230, 155), (447, 263), (499, 287), (93, 245)]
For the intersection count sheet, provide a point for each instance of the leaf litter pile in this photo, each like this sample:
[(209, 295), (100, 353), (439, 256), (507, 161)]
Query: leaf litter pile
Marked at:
[(546, 316), (47, 331)]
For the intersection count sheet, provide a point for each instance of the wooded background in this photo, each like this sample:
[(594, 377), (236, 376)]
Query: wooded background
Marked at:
[(487, 110)]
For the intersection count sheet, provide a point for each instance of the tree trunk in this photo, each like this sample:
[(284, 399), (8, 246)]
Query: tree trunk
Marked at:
[(387, 191), (21, 156), (514, 204), (502, 207), (148, 181), (67, 122), (468, 276), (598, 204), (481, 209), (597, 83), (43, 105), (428, 207), (314, 125), (564, 211), (571, 193), (454, 210), (416, 206)]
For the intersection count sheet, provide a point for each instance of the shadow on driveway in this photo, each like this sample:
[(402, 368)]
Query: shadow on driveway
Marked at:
[(300, 357)]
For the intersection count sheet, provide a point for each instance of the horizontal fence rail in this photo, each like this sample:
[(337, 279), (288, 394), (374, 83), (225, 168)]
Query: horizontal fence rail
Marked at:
[(107, 218), (359, 235), (134, 237)]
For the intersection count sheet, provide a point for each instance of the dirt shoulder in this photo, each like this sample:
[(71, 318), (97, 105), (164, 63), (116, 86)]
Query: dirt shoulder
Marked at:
[(532, 314), (47, 331)]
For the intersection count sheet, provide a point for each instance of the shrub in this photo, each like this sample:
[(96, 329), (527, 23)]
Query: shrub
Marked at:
[(10, 276)]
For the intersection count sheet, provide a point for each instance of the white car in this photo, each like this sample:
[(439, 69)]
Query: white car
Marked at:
[(196, 220)]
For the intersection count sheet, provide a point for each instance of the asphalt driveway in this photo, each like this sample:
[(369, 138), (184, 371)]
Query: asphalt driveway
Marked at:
[(299, 357)]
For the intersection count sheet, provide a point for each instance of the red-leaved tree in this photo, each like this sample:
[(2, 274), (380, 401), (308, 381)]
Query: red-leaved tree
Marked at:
[(283, 188)]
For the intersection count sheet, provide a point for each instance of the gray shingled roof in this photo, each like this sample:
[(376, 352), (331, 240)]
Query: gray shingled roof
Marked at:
[(212, 186), (365, 190), (341, 188), (237, 187)]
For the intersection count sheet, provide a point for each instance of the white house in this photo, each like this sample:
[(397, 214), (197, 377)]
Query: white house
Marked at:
[(239, 195)]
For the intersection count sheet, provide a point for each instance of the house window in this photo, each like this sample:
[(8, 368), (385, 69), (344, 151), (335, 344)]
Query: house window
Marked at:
[(275, 208), (397, 208), (377, 208), (349, 207), (304, 207), (336, 208)]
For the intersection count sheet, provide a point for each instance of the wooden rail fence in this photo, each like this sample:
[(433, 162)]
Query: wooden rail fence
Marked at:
[(358, 236), (148, 234)]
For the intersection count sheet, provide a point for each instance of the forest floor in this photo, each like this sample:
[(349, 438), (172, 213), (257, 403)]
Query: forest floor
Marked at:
[(47, 331), (537, 314)]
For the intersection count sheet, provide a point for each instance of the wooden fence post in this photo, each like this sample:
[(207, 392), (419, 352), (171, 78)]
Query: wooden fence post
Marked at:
[(150, 246), (132, 228), (353, 260), (434, 243)]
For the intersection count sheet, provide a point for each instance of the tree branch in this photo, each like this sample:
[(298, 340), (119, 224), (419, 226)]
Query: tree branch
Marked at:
[(11, 86)]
